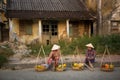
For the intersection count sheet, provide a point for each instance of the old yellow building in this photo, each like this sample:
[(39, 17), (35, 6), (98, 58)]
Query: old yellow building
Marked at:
[(48, 20)]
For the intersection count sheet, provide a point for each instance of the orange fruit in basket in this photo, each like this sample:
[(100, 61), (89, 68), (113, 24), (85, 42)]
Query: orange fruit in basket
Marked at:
[(107, 66)]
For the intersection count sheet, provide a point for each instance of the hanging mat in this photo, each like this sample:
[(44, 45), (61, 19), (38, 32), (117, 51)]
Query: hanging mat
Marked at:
[(106, 66)]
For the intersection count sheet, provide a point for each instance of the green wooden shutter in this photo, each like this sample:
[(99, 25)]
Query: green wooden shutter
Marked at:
[(28, 29)]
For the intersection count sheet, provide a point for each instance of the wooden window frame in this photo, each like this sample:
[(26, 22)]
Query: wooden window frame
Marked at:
[(50, 28), (24, 25), (115, 25)]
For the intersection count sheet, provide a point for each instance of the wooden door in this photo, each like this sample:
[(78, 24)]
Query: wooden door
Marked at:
[(50, 32), (4, 33), (74, 29)]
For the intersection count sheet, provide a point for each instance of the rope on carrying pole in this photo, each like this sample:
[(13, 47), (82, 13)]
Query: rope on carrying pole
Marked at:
[(75, 55), (106, 51), (109, 55), (41, 49), (103, 57), (61, 59), (38, 55), (44, 54)]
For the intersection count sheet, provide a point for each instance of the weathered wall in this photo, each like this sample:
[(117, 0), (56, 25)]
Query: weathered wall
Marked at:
[(3, 16), (15, 24), (35, 29), (62, 32), (81, 29), (26, 38)]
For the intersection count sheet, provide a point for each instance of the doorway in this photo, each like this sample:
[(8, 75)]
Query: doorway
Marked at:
[(50, 32), (4, 33)]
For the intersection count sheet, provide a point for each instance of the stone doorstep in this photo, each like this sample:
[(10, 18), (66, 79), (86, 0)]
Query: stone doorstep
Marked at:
[(24, 66)]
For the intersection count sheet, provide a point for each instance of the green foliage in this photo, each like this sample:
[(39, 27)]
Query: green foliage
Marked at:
[(5, 52), (112, 41), (68, 47), (3, 60), (36, 48), (47, 49)]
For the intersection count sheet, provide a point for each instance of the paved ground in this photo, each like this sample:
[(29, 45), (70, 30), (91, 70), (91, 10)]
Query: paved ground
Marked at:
[(30, 74)]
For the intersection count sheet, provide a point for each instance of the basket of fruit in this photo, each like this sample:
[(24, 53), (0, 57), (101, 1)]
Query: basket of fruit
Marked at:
[(78, 66), (61, 67), (76, 57), (41, 67), (107, 67)]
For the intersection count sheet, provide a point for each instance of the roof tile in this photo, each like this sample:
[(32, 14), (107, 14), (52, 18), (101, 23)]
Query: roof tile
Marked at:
[(47, 9)]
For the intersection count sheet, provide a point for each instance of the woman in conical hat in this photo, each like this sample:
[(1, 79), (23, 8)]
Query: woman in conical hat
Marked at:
[(90, 53), (54, 55)]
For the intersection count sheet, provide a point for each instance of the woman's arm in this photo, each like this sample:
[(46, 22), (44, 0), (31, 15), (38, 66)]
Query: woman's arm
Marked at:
[(50, 55), (87, 55), (59, 53), (93, 54)]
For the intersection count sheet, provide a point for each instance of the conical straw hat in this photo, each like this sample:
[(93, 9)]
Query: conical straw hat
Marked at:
[(55, 47), (90, 45)]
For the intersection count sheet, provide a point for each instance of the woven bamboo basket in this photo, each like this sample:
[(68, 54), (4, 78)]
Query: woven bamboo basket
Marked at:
[(107, 70), (40, 69), (61, 69), (77, 68)]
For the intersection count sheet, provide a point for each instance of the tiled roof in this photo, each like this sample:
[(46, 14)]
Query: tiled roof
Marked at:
[(47, 9)]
